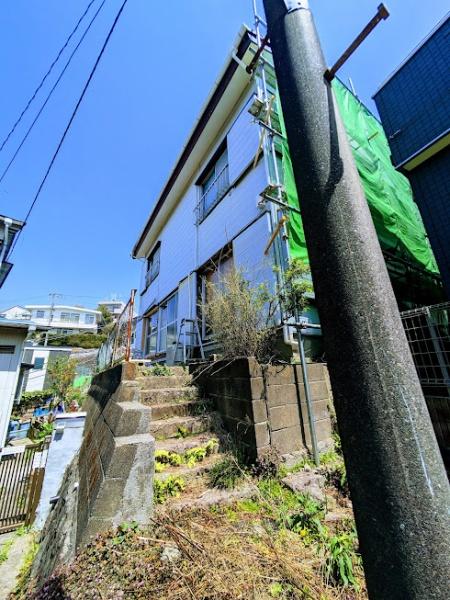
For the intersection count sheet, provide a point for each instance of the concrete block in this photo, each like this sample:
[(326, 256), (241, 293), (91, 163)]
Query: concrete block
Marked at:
[(287, 440), (281, 417), (319, 390), (127, 418), (259, 411), (316, 372), (279, 395), (257, 388), (109, 499), (118, 464), (279, 374)]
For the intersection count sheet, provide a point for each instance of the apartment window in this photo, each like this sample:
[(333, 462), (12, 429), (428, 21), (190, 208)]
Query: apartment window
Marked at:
[(214, 183), (89, 319), (151, 334), (212, 275), (39, 363), (153, 265), (40, 314), (7, 349), (68, 317), (168, 323)]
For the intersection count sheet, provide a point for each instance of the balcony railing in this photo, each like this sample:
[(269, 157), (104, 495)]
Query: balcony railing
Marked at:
[(213, 194)]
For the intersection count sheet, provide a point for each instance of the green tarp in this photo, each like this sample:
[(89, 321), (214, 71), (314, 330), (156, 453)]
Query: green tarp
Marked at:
[(395, 214)]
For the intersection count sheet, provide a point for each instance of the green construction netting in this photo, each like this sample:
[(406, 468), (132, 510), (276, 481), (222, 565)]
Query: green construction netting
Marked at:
[(395, 214)]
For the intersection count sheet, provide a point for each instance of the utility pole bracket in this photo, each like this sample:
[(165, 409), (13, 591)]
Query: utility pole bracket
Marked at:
[(292, 5)]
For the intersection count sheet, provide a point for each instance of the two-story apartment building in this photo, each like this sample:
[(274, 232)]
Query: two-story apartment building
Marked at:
[(58, 318), (65, 319), (212, 213)]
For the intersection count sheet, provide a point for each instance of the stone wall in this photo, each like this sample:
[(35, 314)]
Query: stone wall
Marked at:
[(116, 460), (264, 406)]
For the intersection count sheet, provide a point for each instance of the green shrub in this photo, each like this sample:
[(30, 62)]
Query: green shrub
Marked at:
[(161, 371), (341, 559), (226, 474), (163, 489)]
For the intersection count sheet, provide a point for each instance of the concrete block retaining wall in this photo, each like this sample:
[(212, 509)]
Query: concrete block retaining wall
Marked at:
[(264, 406), (116, 461)]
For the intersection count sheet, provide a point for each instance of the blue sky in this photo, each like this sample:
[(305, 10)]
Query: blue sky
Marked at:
[(158, 69)]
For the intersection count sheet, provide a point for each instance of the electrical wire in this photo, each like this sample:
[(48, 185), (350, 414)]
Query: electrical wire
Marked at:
[(69, 60), (27, 106), (91, 75)]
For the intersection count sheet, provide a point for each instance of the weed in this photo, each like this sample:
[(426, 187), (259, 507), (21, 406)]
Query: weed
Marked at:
[(123, 531), (226, 473), (341, 559), (4, 550), (182, 432), (307, 520), (163, 489), (161, 371)]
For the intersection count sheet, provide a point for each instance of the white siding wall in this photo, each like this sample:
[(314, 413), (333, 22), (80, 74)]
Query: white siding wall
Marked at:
[(9, 374), (186, 247)]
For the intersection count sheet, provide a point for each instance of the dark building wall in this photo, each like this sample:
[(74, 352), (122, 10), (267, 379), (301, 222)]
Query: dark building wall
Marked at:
[(414, 106), (414, 103), (431, 186)]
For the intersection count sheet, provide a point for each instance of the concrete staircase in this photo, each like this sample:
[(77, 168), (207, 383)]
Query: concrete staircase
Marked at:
[(180, 419)]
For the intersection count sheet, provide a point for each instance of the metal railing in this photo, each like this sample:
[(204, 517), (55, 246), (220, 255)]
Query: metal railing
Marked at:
[(21, 476), (428, 333), (117, 346), (213, 194)]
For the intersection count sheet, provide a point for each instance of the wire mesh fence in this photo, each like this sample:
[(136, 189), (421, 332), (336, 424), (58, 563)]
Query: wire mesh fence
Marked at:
[(117, 346), (428, 333)]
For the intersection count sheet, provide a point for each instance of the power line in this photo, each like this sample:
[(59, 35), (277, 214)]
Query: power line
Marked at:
[(51, 92), (27, 106), (113, 26)]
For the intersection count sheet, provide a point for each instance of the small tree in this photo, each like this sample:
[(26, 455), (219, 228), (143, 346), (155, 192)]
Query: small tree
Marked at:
[(62, 373), (241, 317), (107, 321)]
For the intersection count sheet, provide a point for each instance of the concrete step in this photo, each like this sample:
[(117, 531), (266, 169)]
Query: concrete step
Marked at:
[(180, 445), (170, 381), (189, 473), (170, 428), (179, 409), (167, 395), (147, 371)]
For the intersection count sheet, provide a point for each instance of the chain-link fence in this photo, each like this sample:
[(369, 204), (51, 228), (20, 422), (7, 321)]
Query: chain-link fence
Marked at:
[(117, 346)]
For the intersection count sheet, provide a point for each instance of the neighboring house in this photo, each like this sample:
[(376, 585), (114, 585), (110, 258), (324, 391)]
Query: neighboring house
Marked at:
[(36, 378), (414, 105), (115, 307), (16, 313), (65, 319), (12, 339), (9, 228), (212, 214)]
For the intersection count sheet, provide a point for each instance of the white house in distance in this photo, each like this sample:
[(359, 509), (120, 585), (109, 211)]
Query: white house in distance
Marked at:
[(12, 338), (115, 307), (210, 215), (36, 378), (60, 318)]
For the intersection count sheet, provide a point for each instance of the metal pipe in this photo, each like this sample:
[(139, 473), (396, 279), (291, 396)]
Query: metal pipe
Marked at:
[(381, 15), (308, 395), (399, 487)]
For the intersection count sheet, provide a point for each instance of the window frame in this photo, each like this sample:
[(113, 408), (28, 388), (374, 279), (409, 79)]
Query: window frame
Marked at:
[(153, 265), (215, 169)]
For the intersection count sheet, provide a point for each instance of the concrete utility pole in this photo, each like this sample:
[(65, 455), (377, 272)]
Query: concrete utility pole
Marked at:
[(398, 483)]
